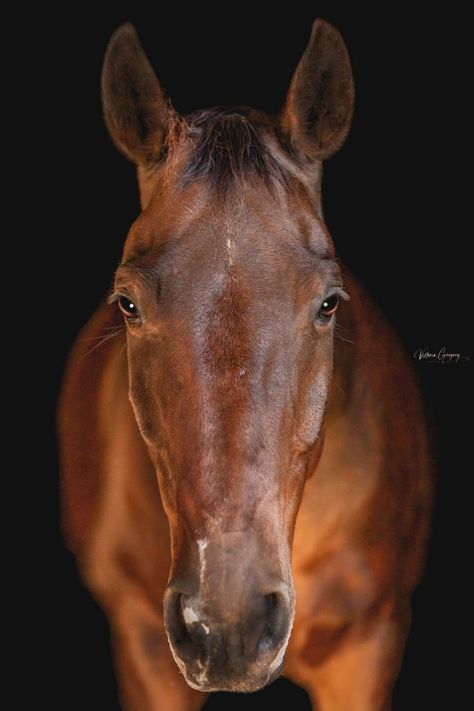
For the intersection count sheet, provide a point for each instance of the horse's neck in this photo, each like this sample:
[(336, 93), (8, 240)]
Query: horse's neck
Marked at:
[(343, 479)]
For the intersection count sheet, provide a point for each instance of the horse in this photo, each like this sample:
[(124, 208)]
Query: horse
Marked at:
[(246, 476)]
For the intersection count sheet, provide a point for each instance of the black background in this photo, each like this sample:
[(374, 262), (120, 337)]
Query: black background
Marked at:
[(392, 202)]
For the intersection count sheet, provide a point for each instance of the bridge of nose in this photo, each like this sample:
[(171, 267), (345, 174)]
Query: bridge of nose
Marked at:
[(233, 574)]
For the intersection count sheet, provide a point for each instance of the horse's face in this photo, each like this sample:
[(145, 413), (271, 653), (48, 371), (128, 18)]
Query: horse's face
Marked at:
[(229, 288), (230, 355)]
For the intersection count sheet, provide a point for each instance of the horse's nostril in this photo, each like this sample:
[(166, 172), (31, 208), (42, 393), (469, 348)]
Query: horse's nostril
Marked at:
[(271, 604), (188, 633), (271, 601), (180, 633), (276, 623), (175, 620), (181, 619)]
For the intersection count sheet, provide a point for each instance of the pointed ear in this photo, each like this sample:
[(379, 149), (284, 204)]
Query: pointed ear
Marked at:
[(135, 109), (319, 106)]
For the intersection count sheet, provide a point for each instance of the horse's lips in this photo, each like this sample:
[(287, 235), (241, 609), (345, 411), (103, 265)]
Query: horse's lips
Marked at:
[(276, 666), (199, 680), (244, 686)]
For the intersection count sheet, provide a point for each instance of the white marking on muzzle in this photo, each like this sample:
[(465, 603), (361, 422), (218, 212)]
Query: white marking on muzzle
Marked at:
[(201, 677), (190, 616), (202, 544)]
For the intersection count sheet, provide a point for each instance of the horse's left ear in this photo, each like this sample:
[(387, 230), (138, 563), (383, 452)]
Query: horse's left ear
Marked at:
[(320, 102), (135, 109)]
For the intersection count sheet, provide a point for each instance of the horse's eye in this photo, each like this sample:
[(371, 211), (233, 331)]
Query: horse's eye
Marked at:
[(128, 308), (328, 307)]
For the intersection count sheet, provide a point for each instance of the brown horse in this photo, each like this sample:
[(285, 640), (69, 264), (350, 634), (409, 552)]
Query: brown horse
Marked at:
[(292, 465)]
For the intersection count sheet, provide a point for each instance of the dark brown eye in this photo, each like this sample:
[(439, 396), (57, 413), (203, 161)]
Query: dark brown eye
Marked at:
[(128, 308), (328, 307)]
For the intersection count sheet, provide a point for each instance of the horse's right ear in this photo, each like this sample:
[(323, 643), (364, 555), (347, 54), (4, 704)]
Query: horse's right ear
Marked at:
[(135, 109), (318, 110)]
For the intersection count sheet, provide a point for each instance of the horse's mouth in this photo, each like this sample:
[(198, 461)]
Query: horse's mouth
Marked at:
[(223, 673), (201, 678)]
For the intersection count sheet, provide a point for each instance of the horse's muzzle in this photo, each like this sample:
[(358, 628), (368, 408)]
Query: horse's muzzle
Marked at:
[(231, 634)]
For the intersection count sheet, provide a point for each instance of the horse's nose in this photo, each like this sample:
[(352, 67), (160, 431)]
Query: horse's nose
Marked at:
[(239, 648)]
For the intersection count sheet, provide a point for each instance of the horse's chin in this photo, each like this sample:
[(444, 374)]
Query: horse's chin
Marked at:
[(198, 677), (245, 685)]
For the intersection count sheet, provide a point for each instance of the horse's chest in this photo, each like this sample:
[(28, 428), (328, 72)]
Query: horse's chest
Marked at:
[(336, 574), (331, 597)]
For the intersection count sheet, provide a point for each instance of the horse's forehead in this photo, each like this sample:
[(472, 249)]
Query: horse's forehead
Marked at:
[(237, 246), (257, 243), (249, 221), (245, 207)]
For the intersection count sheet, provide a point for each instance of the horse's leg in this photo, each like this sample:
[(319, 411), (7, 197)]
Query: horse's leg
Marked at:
[(361, 672), (149, 679)]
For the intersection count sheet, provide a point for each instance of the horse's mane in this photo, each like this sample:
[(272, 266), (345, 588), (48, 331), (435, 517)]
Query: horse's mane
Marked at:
[(228, 144)]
